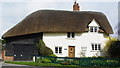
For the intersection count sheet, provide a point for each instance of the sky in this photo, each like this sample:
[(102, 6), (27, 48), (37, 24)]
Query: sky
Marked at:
[(14, 11), (119, 20)]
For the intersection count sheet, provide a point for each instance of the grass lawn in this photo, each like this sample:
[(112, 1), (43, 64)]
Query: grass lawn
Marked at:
[(52, 64)]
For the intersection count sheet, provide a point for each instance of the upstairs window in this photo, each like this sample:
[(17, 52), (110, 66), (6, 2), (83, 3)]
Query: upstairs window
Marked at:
[(93, 29), (93, 26), (70, 35), (96, 46), (58, 50)]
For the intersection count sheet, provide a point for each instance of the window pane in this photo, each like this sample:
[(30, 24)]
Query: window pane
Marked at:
[(91, 29), (56, 49), (92, 46), (95, 46), (60, 49), (68, 34), (99, 47), (73, 34), (95, 29)]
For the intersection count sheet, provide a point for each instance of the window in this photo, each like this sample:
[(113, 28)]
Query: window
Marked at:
[(96, 46), (70, 35), (92, 46), (93, 29), (99, 47), (58, 50)]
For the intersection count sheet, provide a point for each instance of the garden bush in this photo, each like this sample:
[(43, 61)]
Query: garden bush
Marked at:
[(43, 49), (52, 58)]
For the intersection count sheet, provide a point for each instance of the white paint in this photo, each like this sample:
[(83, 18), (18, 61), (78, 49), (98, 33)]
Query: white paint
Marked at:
[(82, 42), (34, 58), (94, 23)]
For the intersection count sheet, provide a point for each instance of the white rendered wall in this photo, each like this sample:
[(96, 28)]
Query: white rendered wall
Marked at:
[(81, 40)]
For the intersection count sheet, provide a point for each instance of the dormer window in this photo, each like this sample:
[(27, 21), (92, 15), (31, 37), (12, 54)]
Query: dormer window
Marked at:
[(93, 26), (70, 34), (93, 29)]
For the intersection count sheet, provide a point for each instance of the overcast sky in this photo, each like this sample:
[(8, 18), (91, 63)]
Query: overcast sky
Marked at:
[(13, 11)]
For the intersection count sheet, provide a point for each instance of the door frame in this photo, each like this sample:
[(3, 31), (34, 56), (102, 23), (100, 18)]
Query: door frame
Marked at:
[(69, 51)]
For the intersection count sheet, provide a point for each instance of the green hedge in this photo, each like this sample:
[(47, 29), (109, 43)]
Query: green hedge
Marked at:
[(82, 61)]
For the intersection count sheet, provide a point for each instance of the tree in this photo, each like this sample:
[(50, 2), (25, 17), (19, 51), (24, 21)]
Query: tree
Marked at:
[(2, 41), (112, 48), (43, 49)]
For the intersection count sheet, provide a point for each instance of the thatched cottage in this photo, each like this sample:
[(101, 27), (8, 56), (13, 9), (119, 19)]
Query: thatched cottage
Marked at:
[(68, 33)]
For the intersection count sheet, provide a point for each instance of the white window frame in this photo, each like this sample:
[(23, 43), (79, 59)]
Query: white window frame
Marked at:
[(58, 51), (93, 29), (71, 35), (96, 46)]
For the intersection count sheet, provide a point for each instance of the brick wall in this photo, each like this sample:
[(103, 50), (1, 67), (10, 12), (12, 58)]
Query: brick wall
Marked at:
[(7, 58)]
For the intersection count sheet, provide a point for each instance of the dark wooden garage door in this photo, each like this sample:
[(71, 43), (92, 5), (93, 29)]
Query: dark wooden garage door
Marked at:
[(23, 51)]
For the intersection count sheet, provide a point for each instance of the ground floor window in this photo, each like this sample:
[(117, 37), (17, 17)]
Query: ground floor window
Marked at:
[(96, 46), (58, 50)]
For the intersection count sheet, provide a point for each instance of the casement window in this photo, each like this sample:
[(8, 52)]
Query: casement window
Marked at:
[(96, 46), (70, 34), (93, 29), (58, 50)]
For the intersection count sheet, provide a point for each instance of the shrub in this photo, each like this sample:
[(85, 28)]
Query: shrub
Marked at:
[(53, 58), (112, 48), (43, 49), (53, 55), (38, 60), (101, 57), (46, 60)]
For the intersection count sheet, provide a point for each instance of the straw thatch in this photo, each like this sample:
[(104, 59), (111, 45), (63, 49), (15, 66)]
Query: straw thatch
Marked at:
[(58, 21)]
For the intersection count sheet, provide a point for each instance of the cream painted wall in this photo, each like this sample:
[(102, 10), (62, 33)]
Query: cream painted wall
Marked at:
[(81, 40)]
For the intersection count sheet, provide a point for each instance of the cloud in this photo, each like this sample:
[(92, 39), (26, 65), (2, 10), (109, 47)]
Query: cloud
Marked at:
[(60, 0), (14, 12), (34, 6)]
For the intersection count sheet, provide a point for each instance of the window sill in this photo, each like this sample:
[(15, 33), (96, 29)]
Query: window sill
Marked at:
[(70, 38), (59, 53), (95, 51)]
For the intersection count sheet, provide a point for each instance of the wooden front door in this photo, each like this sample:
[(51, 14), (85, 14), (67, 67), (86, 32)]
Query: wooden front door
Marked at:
[(71, 51)]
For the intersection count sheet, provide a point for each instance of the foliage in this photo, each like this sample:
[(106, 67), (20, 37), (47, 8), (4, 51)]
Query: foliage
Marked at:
[(43, 60), (112, 48), (46, 60), (2, 41), (97, 61), (38, 60), (53, 59), (104, 63), (34, 63), (53, 55), (43, 49)]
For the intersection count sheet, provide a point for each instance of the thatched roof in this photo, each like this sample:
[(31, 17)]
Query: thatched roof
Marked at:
[(58, 21)]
